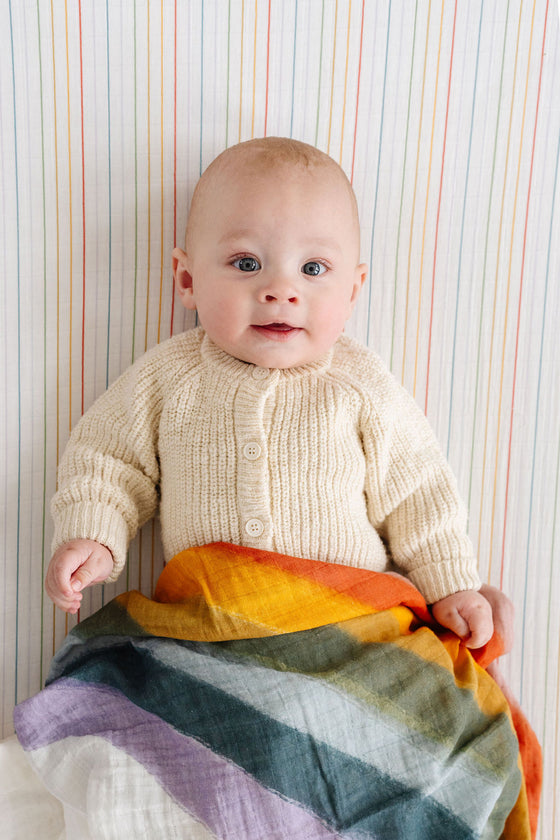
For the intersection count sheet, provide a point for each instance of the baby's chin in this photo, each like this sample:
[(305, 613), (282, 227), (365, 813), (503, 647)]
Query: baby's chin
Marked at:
[(275, 345)]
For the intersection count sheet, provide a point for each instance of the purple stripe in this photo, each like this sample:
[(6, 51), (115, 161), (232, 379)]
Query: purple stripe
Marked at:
[(185, 768)]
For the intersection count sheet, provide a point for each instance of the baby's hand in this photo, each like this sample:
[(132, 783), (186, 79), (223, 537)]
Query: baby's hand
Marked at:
[(74, 566), (468, 614), (503, 614)]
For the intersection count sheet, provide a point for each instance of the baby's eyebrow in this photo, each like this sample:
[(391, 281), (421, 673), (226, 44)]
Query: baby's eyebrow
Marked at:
[(235, 236), (313, 245), (324, 242)]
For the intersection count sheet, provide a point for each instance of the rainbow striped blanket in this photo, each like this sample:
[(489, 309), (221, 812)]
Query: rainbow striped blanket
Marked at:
[(263, 697)]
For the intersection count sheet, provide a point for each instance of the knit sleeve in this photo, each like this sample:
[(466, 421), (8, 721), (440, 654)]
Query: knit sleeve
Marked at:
[(109, 473), (412, 497)]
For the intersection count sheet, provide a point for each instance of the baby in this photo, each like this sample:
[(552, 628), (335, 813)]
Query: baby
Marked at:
[(266, 426)]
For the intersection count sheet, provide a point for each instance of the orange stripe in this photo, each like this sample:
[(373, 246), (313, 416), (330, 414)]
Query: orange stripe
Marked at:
[(427, 202), (506, 318), (174, 161), (358, 93), (241, 69), (162, 183), (345, 80), (254, 70), (82, 406), (149, 145), (55, 121), (415, 190), (491, 359), (379, 591), (521, 281), (439, 207), (556, 741), (217, 591), (267, 70), (332, 77), (70, 222)]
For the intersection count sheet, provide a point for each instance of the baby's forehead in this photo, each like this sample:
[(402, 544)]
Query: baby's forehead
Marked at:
[(252, 165), (279, 162)]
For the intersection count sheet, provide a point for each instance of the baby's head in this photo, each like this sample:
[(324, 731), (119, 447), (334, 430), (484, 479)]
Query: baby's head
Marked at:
[(272, 252)]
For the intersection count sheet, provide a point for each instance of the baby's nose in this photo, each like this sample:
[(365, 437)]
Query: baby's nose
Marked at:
[(279, 297), (279, 290)]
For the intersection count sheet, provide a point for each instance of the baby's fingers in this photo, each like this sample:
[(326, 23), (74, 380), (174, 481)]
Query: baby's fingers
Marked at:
[(74, 566), (450, 617), (59, 590), (481, 626), (92, 571), (468, 614)]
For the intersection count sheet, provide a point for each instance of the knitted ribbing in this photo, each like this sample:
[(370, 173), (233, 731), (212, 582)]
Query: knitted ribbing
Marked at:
[(332, 461)]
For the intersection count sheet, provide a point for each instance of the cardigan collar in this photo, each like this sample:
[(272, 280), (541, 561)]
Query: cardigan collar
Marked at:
[(235, 368)]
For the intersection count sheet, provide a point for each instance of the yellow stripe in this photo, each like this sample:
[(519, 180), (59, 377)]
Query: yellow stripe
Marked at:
[(427, 202), (55, 125), (241, 69), (213, 596), (254, 70), (162, 183), (70, 233), (332, 76), (494, 309), (415, 189), (556, 741), (385, 626), (506, 317), (264, 595), (148, 139), (345, 81)]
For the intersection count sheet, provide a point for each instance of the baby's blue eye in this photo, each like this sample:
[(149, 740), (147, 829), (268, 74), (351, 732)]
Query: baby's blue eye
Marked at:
[(247, 264), (313, 268)]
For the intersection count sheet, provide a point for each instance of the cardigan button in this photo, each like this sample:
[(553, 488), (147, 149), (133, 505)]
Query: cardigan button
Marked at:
[(252, 451), (254, 527), (260, 373)]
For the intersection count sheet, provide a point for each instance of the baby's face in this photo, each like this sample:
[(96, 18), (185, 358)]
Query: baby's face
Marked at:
[(272, 264)]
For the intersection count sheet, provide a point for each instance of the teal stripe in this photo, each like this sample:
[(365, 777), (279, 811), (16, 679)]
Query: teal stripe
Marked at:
[(133, 353), (320, 76), (373, 673), (346, 793), (44, 496), (294, 68), (533, 466), (379, 150), (110, 207), (463, 217), (228, 74), (201, 82), (383, 676), (18, 516), (402, 187), (392, 695), (485, 264), (113, 620)]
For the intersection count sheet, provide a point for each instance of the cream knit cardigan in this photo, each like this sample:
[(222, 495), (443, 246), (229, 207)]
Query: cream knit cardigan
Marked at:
[(332, 461)]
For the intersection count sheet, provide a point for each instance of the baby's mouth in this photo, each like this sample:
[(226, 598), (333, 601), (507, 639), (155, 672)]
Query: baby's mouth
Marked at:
[(278, 330)]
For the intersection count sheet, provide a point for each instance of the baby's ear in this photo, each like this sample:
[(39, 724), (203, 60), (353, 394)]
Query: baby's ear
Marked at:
[(359, 280), (183, 278)]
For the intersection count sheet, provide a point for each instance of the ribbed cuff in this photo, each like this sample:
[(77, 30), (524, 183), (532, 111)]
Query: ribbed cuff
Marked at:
[(93, 521), (438, 580)]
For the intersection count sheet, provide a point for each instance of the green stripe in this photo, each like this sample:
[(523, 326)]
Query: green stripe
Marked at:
[(491, 180), (44, 495), (345, 792), (420, 694), (374, 673), (418, 699)]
